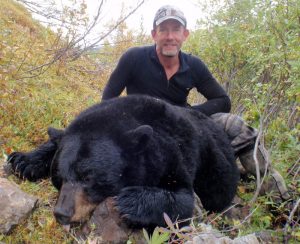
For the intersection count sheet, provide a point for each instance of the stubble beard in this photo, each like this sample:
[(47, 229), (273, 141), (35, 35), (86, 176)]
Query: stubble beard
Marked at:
[(169, 53)]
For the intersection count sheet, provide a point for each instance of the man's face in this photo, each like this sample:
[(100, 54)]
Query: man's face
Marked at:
[(169, 36)]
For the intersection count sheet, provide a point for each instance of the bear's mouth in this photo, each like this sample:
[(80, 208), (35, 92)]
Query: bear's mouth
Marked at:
[(73, 226), (67, 227)]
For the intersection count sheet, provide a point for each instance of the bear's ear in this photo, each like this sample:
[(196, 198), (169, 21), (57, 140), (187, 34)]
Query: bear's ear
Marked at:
[(136, 140), (55, 134)]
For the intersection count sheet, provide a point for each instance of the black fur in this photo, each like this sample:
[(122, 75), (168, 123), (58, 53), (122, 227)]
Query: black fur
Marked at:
[(147, 153)]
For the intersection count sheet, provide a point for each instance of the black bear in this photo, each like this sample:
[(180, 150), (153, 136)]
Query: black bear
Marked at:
[(147, 153)]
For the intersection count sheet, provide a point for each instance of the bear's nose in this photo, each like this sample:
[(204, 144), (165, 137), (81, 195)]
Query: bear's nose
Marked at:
[(62, 216)]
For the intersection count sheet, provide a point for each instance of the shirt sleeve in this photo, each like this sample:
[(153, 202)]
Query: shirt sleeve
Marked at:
[(206, 84), (119, 77)]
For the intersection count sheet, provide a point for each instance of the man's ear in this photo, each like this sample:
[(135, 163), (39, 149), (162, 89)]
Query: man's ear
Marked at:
[(137, 140), (153, 34), (186, 33), (55, 134)]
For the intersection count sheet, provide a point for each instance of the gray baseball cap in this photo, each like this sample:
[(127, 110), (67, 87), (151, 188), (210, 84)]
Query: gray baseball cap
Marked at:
[(168, 12)]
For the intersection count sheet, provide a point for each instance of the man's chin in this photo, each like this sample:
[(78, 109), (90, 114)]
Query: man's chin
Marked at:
[(170, 53)]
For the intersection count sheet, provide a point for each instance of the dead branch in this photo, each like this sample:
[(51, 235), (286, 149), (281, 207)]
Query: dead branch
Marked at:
[(290, 219), (77, 45)]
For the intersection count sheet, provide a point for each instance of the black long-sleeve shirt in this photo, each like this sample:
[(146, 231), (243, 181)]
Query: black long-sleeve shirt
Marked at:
[(140, 72)]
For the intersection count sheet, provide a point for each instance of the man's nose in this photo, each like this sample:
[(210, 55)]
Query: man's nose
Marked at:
[(170, 34)]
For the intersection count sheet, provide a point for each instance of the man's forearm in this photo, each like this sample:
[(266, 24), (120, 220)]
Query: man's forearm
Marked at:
[(216, 105)]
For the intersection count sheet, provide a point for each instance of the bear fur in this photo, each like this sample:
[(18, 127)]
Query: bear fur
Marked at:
[(147, 153)]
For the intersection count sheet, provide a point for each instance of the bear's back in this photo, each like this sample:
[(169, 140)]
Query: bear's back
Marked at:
[(126, 113)]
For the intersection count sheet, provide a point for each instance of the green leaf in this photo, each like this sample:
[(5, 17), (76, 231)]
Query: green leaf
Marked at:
[(162, 238)]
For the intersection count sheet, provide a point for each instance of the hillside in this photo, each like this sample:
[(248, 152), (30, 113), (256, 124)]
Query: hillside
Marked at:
[(33, 98), (36, 96)]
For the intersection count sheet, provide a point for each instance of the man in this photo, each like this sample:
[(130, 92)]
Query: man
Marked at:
[(165, 72)]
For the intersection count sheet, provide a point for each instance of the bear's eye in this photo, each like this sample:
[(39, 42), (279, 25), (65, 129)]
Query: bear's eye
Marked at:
[(86, 178)]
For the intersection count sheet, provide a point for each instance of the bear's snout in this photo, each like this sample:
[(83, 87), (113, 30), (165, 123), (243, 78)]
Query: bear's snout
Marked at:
[(72, 204), (62, 216)]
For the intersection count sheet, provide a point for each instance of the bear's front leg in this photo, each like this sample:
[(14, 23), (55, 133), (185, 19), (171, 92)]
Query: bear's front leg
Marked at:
[(33, 165), (142, 206)]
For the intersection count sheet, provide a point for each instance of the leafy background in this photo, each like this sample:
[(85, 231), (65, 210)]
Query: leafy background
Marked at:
[(251, 46)]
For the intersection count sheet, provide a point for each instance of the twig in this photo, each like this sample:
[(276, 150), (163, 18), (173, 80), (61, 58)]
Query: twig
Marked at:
[(223, 212), (294, 170), (74, 42), (257, 165), (292, 213), (241, 223)]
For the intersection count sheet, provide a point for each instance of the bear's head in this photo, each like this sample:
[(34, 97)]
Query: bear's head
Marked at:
[(89, 165)]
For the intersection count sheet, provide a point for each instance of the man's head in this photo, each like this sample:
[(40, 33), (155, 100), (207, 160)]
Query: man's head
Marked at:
[(169, 30)]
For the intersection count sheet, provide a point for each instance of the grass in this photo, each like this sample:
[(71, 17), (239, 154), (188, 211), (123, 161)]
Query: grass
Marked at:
[(29, 105)]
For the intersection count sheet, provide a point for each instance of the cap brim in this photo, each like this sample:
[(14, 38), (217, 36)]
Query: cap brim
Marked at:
[(158, 22)]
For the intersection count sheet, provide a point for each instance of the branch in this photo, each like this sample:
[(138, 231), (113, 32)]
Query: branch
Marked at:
[(258, 182), (74, 42), (290, 219), (112, 29)]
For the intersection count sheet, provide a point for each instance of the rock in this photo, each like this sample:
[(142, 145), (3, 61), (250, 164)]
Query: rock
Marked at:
[(209, 238), (209, 229), (225, 240), (106, 226), (248, 239), (15, 205), (209, 235), (5, 169), (267, 237), (198, 208), (205, 238)]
